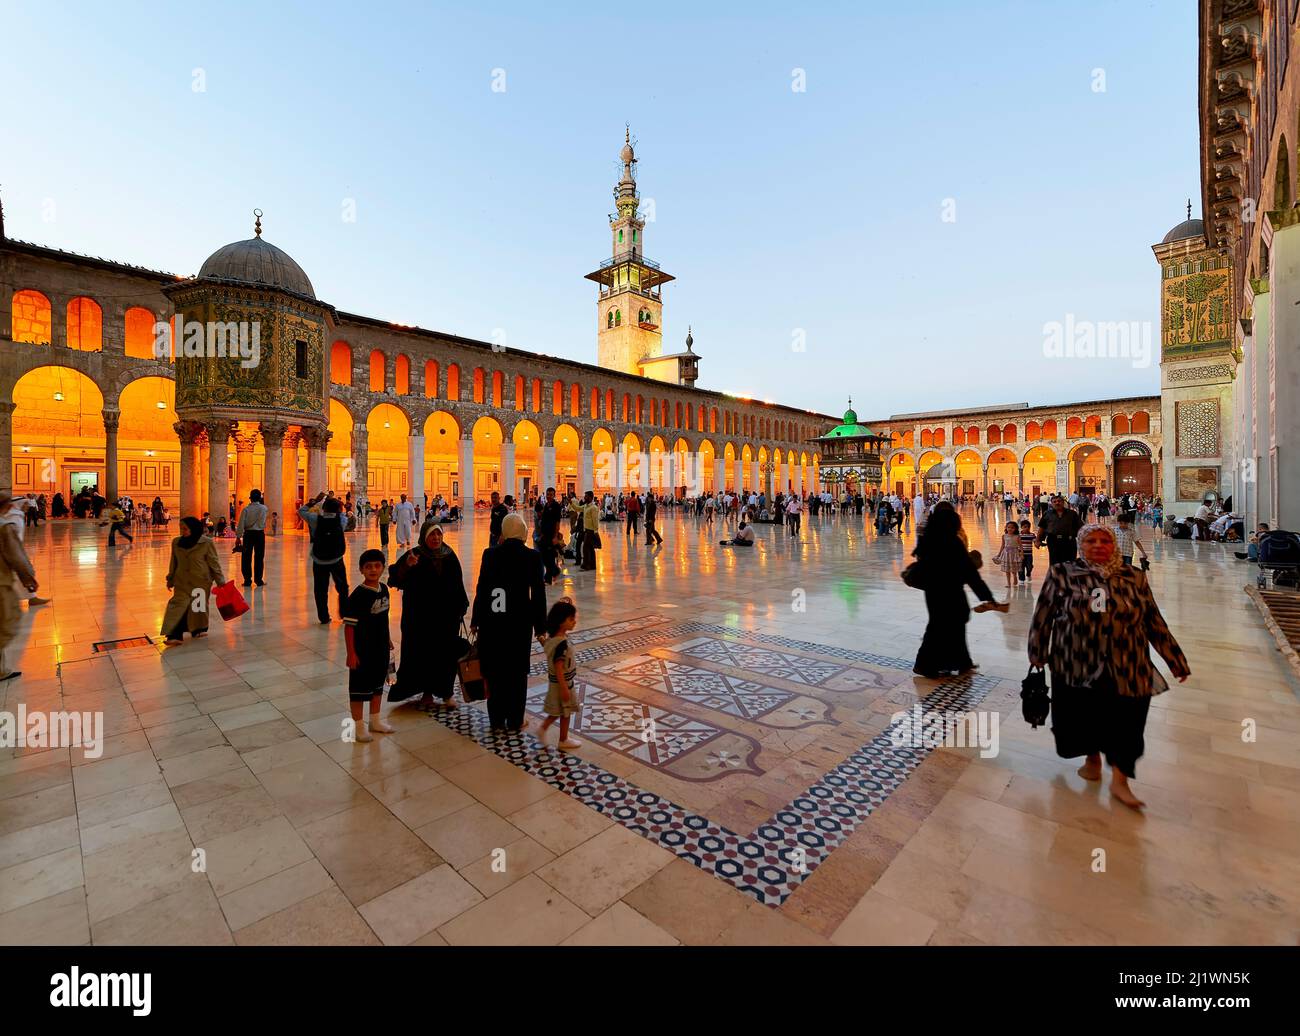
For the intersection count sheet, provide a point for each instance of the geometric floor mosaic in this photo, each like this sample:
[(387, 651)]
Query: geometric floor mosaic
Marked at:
[(771, 861)]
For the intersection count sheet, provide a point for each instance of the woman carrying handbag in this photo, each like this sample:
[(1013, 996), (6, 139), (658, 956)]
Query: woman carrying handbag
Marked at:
[(434, 603)]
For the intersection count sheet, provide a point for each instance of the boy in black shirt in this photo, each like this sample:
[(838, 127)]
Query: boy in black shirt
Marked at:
[(365, 627)]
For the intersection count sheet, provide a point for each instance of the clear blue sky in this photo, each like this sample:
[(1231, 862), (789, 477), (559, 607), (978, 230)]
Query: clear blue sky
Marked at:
[(776, 210)]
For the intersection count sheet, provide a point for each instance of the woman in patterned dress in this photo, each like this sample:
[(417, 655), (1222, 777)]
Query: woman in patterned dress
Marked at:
[(1094, 621)]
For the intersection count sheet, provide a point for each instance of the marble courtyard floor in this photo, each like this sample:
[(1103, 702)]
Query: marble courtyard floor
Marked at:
[(736, 785)]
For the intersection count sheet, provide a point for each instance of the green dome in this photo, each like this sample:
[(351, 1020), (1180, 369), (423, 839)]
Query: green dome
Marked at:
[(850, 417)]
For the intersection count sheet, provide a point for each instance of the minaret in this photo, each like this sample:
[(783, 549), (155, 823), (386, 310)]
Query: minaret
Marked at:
[(629, 311)]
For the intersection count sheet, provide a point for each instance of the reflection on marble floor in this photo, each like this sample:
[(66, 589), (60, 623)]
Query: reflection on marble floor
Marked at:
[(766, 806)]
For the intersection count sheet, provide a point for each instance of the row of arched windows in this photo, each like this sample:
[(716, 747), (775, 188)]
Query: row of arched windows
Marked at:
[(996, 435), (33, 323), (559, 399)]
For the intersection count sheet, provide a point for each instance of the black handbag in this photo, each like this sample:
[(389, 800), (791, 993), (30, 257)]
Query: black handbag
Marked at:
[(914, 576), (1034, 700)]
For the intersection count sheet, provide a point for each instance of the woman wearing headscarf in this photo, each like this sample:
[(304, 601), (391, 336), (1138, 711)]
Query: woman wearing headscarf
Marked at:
[(434, 603), (509, 610), (194, 568), (156, 511), (945, 570), (1094, 621)]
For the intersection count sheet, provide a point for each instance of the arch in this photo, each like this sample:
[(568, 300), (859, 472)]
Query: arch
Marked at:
[(567, 440), (338, 451), (478, 383), (527, 438), (1049, 430), (498, 389), (993, 435), (1003, 471), (593, 411), (453, 381), (85, 325), (58, 418), (928, 460), (1092, 427), (32, 318), (707, 455), (640, 409), (377, 372), (402, 375), (341, 363), (557, 398), (1009, 433), (575, 400), (713, 421), (1039, 463), (609, 404), (1074, 428), (430, 379), (146, 439), (441, 453), (940, 437), (1086, 467), (1131, 464), (520, 392), (1141, 423), (1119, 425), (536, 392), (656, 449), (1033, 431), (927, 438), (138, 324), (602, 441)]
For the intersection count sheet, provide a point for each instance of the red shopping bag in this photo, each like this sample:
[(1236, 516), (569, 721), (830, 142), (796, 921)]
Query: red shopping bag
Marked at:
[(230, 602)]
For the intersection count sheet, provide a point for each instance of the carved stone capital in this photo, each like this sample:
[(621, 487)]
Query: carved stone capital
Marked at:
[(272, 432), (316, 437), (218, 430), (111, 420), (188, 432)]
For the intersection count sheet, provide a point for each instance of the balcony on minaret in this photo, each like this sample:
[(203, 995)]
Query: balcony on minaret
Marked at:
[(630, 271)]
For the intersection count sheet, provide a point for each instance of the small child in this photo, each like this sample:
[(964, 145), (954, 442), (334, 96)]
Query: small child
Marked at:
[(1027, 542), (561, 698), (1158, 520), (1126, 538), (275, 522), (1009, 557), (365, 627)]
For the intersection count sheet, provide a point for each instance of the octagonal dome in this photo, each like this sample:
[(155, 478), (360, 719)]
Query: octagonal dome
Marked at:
[(257, 262)]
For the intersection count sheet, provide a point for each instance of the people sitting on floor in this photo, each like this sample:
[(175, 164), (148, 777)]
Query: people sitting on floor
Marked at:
[(744, 537), (1251, 553)]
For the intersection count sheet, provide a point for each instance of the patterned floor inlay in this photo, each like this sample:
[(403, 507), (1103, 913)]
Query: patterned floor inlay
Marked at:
[(612, 629), (679, 745), (772, 861)]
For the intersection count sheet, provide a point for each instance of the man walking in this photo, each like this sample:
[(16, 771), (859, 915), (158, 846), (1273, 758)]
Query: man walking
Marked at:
[(327, 549), (633, 512), (404, 518), (495, 518), (15, 515), (1059, 529), (590, 528), (251, 534), (793, 510), (548, 524), (14, 564), (651, 513), (117, 524), (384, 517)]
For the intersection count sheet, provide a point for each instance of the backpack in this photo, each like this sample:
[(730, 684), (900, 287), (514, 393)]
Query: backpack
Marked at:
[(327, 542)]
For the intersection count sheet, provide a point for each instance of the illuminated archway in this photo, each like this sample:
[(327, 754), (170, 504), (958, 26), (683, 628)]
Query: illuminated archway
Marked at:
[(1087, 469), (707, 456), (378, 373), (340, 363), (388, 434), (58, 421), (527, 438), (487, 435), (441, 458), (567, 441), (902, 474), (1040, 471), (148, 454), (31, 318), (969, 473), (139, 329), (1004, 472)]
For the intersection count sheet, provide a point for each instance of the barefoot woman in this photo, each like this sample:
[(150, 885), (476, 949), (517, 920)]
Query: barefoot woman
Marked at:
[(1094, 620)]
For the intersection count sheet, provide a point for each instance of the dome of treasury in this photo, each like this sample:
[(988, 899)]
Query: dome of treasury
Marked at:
[(1187, 228), (257, 262)]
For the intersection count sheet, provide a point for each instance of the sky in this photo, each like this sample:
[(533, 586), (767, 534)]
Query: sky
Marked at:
[(889, 201)]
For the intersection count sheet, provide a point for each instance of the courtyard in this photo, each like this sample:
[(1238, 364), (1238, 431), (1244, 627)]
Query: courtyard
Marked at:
[(737, 782)]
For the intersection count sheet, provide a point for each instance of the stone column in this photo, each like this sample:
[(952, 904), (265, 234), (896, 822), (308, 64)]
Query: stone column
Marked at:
[(778, 478), (218, 468), (507, 469), (201, 476), (187, 432), (245, 439), (7, 408), (272, 486), (415, 465), (719, 473), (111, 419), (287, 505), (796, 478), (755, 476), (466, 470), (359, 476), (986, 479), (548, 469), (1020, 478), (740, 476), (317, 439), (586, 472)]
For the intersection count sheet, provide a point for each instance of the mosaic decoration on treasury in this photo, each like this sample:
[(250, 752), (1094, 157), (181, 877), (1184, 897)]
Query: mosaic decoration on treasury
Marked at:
[(1195, 483), (1211, 373), (770, 862), (1197, 424), (1197, 307)]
